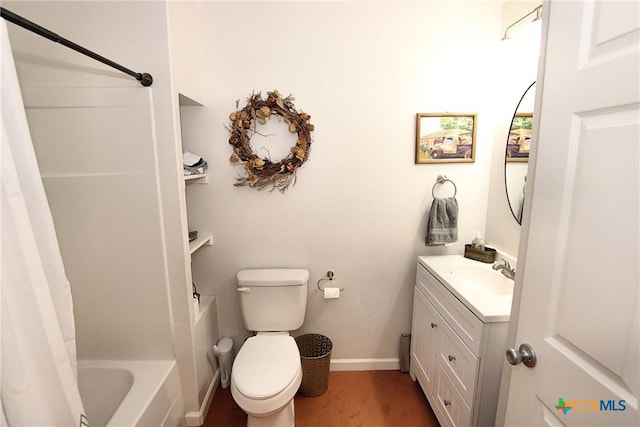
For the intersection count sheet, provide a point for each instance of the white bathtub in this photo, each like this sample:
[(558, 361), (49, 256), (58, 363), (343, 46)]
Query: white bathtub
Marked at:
[(131, 393)]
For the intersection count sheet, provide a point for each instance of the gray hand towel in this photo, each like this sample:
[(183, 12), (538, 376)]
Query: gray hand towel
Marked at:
[(442, 225)]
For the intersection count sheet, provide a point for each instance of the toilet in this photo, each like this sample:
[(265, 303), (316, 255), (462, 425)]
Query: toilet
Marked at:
[(267, 371)]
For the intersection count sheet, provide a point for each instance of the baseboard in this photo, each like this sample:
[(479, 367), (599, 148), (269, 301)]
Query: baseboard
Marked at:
[(194, 419), (365, 364)]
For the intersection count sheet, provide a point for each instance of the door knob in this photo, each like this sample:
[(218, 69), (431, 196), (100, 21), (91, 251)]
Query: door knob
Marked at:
[(524, 354)]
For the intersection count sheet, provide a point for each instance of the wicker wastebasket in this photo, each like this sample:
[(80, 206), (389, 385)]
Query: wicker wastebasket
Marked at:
[(315, 356)]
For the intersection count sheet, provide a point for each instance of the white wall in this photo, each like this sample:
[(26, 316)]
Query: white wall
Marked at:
[(520, 55), (362, 71), (185, 47)]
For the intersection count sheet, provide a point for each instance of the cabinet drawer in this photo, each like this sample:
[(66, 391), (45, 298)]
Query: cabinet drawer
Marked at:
[(451, 407), (460, 364), (458, 316)]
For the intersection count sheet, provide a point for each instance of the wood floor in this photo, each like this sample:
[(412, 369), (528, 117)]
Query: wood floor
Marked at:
[(362, 398)]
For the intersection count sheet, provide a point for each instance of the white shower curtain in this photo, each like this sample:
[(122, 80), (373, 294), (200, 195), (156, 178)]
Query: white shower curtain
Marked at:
[(38, 360)]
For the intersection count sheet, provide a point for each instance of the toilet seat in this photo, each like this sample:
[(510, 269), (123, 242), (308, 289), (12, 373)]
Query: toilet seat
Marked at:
[(266, 365)]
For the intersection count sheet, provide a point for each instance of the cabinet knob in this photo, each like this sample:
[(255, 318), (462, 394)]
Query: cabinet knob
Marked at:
[(451, 358), (434, 325), (446, 402)]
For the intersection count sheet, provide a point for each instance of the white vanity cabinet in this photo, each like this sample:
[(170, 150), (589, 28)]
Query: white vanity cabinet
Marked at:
[(456, 355)]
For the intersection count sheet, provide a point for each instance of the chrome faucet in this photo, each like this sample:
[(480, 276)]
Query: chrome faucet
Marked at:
[(505, 269)]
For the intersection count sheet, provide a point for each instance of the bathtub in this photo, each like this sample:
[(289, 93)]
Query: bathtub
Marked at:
[(131, 393)]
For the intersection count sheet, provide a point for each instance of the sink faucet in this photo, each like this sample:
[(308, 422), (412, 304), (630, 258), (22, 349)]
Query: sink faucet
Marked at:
[(505, 269)]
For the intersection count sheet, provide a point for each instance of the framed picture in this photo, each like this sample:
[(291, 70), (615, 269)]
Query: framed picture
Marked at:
[(519, 141), (446, 137)]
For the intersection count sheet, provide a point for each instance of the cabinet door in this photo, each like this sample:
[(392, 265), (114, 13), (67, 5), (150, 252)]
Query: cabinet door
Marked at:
[(425, 341)]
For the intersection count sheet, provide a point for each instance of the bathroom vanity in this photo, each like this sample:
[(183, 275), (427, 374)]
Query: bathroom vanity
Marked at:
[(461, 311)]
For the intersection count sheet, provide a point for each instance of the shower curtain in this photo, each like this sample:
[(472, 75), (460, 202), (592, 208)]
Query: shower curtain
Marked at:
[(38, 361)]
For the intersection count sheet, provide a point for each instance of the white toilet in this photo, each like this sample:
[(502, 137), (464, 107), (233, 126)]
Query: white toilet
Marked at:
[(267, 370)]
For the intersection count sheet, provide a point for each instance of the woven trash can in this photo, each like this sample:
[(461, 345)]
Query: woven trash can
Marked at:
[(315, 356)]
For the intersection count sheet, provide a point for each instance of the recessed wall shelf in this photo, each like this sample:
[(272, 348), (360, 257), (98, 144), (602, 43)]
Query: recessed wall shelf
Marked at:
[(202, 306), (196, 179), (197, 338), (204, 239)]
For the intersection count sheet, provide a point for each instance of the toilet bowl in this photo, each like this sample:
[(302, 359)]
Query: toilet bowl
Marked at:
[(265, 378)]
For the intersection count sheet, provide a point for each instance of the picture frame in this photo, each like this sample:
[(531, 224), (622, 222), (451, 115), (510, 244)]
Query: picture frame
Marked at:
[(446, 137), (519, 139)]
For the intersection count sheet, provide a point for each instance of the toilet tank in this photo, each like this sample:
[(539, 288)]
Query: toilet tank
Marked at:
[(273, 299)]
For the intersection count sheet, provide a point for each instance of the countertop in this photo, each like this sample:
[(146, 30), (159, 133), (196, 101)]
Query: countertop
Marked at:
[(487, 306)]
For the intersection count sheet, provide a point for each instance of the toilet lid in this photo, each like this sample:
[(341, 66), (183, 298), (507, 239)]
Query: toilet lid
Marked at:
[(266, 365)]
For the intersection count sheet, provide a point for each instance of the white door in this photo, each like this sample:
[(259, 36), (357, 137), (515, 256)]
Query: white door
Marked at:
[(579, 257)]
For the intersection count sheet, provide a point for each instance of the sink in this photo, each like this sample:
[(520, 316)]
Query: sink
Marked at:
[(486, 292), (478, 279)]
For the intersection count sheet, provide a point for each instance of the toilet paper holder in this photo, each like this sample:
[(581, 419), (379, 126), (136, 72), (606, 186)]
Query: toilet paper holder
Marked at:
[(329, 277)]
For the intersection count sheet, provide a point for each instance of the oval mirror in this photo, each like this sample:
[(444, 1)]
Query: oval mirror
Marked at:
[(517, 152)]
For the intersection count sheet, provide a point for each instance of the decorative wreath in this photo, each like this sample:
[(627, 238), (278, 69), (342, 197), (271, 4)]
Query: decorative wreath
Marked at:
[(262, 172)]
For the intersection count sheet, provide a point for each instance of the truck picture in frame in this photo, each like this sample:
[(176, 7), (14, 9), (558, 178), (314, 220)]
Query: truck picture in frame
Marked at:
[(445, 137)]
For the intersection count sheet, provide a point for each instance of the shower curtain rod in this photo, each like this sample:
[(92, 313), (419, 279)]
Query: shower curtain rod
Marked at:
[(145, 79)]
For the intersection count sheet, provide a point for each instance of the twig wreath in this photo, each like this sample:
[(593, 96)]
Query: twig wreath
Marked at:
[(262, 172)]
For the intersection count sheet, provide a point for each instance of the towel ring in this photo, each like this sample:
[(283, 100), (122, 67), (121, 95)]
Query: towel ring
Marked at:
[(441, 180)]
